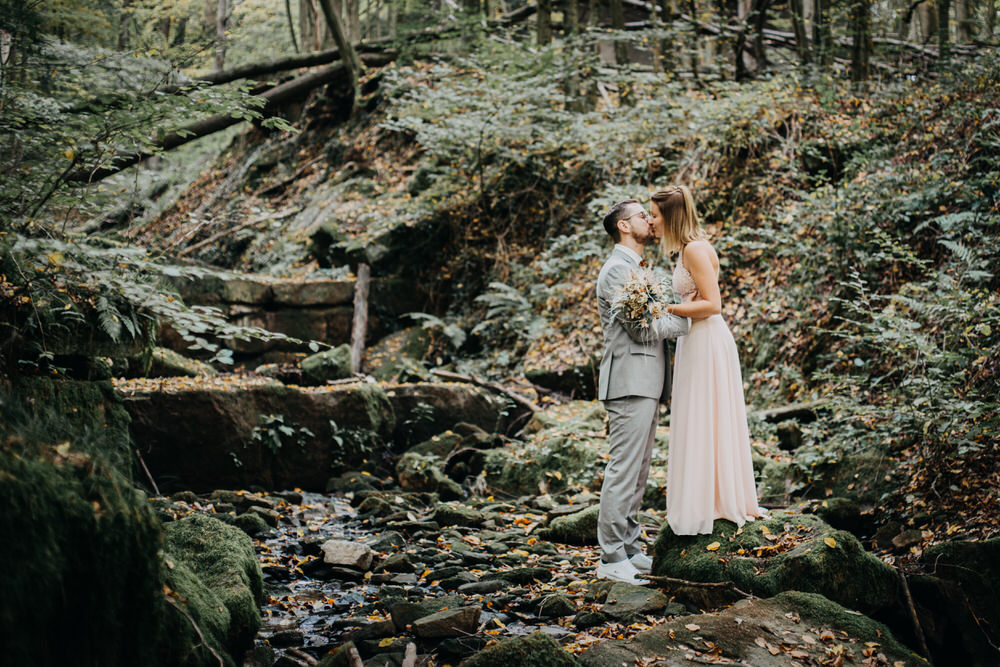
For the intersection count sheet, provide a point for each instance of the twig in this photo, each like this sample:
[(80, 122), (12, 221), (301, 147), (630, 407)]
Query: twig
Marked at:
[(225, 232), (457, 377), (143, 464), (913, 617), (718, 585), (173, 603)]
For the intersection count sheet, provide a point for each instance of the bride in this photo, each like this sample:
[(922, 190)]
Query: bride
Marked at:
[(710, 472)]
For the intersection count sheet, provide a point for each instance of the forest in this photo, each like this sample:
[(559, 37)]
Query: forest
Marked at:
[(300, 342)]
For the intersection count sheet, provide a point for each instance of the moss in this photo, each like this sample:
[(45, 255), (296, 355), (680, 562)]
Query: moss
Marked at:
[(194, 604), (223, 558), (80, 411), (332, 364), (577, 528), (796, 557), (535, 650), (554, 459), (81, 578)]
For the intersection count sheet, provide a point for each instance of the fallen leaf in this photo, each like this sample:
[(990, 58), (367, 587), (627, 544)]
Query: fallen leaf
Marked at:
[(714, 546), (830, 542), (692, 627)]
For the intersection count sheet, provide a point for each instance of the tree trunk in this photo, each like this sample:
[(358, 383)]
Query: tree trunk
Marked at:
[(544, 22), (291, 25), (760, 18), (359, 325), (571, 9), (944, 43), (164, 29), (668, 14), (618, 23), (821, 34), (593, 12), (964, 25), (927, 16), (799, 27), (861, 43), (347, 52), (221, 19), (352, 20), (991, 18)]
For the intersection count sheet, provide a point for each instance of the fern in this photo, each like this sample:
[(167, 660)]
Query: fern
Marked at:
[(109, 319)]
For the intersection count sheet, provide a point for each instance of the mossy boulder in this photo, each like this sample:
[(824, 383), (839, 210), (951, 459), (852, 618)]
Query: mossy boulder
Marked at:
[(958, 601), (164, 362), (398, 356), (238, 432), (577, 528), (789, 628), (535, 650), (335, 364), (551, 459), (81, 572), (223, 559), (787, 551), (579, 415), (422, 472), (561, 368)]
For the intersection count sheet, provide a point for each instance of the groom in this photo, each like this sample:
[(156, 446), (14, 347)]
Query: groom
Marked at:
[(632, 380)]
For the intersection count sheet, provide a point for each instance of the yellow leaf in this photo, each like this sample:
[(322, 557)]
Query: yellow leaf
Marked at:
[(714, 546), (69, 154), (386, 642), (830, 542)]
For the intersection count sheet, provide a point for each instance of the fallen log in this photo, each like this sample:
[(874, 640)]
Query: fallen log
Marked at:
[(202, 128)]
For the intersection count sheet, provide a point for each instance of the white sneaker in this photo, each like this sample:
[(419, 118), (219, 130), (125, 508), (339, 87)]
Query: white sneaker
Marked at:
[(623, 571), (642, 562)]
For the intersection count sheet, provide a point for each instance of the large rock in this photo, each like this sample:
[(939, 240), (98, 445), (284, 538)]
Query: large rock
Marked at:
[(788, 629), (426, 409), (787, 551), (348, 554), (398, 356), (535, 650), (958, 602), (81, 582), (561, 368), (448, 623), (562, 448), (236, 432), (627, 602), (577, 528), (335, 364), (223, 559)]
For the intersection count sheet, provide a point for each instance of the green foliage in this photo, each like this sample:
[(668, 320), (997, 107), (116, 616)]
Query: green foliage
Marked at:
[(273, 433)]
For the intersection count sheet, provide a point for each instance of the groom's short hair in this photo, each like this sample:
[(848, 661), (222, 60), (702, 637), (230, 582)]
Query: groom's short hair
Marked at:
[(616, 213)]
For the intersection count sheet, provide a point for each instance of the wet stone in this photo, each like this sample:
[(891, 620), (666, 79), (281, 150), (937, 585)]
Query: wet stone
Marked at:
[(556, 605), (483, 587), (626, 602), (387, 541), (287, 638), (347, 554), (448, 623)]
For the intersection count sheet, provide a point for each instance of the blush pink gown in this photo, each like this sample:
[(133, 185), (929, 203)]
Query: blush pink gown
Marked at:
[(710, 471)]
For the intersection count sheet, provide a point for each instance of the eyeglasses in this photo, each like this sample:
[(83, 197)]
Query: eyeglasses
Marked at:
[(641, 214)]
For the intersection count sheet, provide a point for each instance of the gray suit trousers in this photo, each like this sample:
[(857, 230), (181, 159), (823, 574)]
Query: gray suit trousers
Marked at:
[(631, 432)]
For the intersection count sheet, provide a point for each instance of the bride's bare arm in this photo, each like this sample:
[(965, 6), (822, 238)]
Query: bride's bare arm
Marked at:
[(701, 261)]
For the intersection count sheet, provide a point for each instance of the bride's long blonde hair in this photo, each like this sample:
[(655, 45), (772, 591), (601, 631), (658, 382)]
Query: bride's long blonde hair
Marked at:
[(680, 219)]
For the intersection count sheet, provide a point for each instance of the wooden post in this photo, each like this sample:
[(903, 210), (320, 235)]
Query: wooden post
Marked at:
[(360, 316)]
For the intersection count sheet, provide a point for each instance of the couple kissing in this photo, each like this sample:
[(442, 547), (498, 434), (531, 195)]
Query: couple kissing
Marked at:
[(710, 473)]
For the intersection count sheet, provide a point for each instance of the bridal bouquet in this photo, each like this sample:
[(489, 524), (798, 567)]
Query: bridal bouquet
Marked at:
[(642, 298)]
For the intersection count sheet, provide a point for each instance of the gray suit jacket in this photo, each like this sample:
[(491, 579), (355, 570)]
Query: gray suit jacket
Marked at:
[(635, 359)]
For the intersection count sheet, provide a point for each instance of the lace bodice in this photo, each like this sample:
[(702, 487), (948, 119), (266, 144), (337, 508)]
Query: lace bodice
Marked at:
[(683, 282)]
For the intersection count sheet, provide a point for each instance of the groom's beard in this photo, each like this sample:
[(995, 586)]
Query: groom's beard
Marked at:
[(645, 240)]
